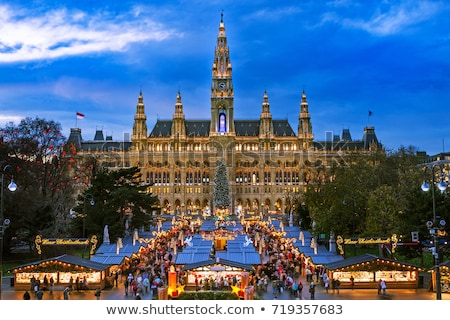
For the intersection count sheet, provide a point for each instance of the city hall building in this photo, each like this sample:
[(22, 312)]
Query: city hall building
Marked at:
[(269, 161)]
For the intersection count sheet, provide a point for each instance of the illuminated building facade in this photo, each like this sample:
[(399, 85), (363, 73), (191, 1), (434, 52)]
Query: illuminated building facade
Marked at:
[(267, 159)]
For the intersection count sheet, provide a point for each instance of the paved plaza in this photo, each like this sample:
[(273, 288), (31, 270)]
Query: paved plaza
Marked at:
[(118, 293)]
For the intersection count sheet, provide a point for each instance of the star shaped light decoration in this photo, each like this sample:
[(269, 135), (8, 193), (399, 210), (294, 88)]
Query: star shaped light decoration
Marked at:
[(176, 292), (237, 291)]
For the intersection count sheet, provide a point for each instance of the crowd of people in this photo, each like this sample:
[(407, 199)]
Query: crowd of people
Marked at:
[(282, 264)]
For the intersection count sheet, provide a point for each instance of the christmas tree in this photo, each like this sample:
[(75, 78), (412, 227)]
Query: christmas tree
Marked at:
[(221, 194)]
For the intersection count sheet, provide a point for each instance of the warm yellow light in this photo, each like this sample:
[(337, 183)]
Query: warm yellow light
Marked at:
[(175, 292)]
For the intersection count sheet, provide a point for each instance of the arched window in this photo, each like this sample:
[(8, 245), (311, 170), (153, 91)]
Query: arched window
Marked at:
[(177, 177), (166, 177), (150, 177), (222, 121), (189, 177), (266, 177)]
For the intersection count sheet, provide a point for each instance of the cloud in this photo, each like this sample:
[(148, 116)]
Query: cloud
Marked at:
[(395, 18), (276, 13), (388, 18), (62, 32)]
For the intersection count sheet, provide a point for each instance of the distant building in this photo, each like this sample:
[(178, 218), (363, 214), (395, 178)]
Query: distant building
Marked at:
[(267, 160)]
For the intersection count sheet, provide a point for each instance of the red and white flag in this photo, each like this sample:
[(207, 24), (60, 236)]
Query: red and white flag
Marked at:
[(80, 115)]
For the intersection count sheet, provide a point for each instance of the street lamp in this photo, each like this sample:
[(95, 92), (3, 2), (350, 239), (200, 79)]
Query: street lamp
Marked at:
[(437, 224), (354, 214), (86, 197), (4, 223)]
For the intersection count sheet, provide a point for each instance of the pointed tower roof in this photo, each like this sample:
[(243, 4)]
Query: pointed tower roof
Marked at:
[(178, 108), (266, 106)]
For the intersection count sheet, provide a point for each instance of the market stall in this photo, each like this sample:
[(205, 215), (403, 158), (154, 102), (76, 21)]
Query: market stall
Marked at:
[(366, 270), (65, 270), (214, 274), (444, 269)]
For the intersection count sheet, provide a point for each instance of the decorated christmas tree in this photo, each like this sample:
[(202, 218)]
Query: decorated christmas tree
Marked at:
[(221, 194)]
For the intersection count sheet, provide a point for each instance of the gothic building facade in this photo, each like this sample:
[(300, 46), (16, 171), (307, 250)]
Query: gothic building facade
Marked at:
[(269, 163)]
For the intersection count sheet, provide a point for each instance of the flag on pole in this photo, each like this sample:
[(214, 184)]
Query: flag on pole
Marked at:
[(80, 115), (368, 117)]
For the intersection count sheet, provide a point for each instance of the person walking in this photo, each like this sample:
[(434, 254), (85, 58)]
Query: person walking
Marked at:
[(116, 279), (97, 293), (52, 283), (383, 287), (338, 285), (295, 289), (312, 290), (26, 295), (126, 284), (352, 282), (300, 289), (275, 288), (146, 284), (66, 293), (40, 294)]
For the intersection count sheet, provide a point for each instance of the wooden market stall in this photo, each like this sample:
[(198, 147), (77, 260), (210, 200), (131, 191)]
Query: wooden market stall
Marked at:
[(64, 270), (368, 269), (444, 271)]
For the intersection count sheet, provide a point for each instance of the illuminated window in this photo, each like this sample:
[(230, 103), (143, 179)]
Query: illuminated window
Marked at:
[(222, 123)]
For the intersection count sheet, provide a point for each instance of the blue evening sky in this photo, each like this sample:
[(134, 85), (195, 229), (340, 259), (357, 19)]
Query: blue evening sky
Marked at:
[(389, 57)]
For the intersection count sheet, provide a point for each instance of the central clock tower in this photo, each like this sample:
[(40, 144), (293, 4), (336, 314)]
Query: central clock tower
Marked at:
[(222, 92)]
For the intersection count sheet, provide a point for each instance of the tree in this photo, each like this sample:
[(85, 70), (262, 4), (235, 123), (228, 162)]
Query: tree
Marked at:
[(120, 199), (34, 149), (384, 214), (374, 195), (221, 193)]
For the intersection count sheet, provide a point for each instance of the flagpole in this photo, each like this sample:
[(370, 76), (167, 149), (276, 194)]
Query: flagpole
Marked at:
[(76, 120), (369, 113)]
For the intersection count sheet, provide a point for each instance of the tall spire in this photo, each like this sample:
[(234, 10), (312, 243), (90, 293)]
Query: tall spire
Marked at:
[(305, 134), (222, 92), (139, 135), (265, 122), (178, 107), (178, 125)]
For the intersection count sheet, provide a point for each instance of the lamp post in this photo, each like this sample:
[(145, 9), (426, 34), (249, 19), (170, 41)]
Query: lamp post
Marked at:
[(436, 224), (345, 202), (92, 203), (4, 223)]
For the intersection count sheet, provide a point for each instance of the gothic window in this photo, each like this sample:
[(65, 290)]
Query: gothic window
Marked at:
[(239, 177), (255, 177), (158, 177), (295, 177), (197, 177), (177, 177), (189, 177), (278, 177), (150, 177), (222, 122), (287, 177), (205, 177), (247, 177), (166, 177), (267, 177)]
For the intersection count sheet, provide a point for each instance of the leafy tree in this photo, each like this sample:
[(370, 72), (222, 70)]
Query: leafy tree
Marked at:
[(366, 192), (120, 199), (221, 193), (34, 149), (384, 214)]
